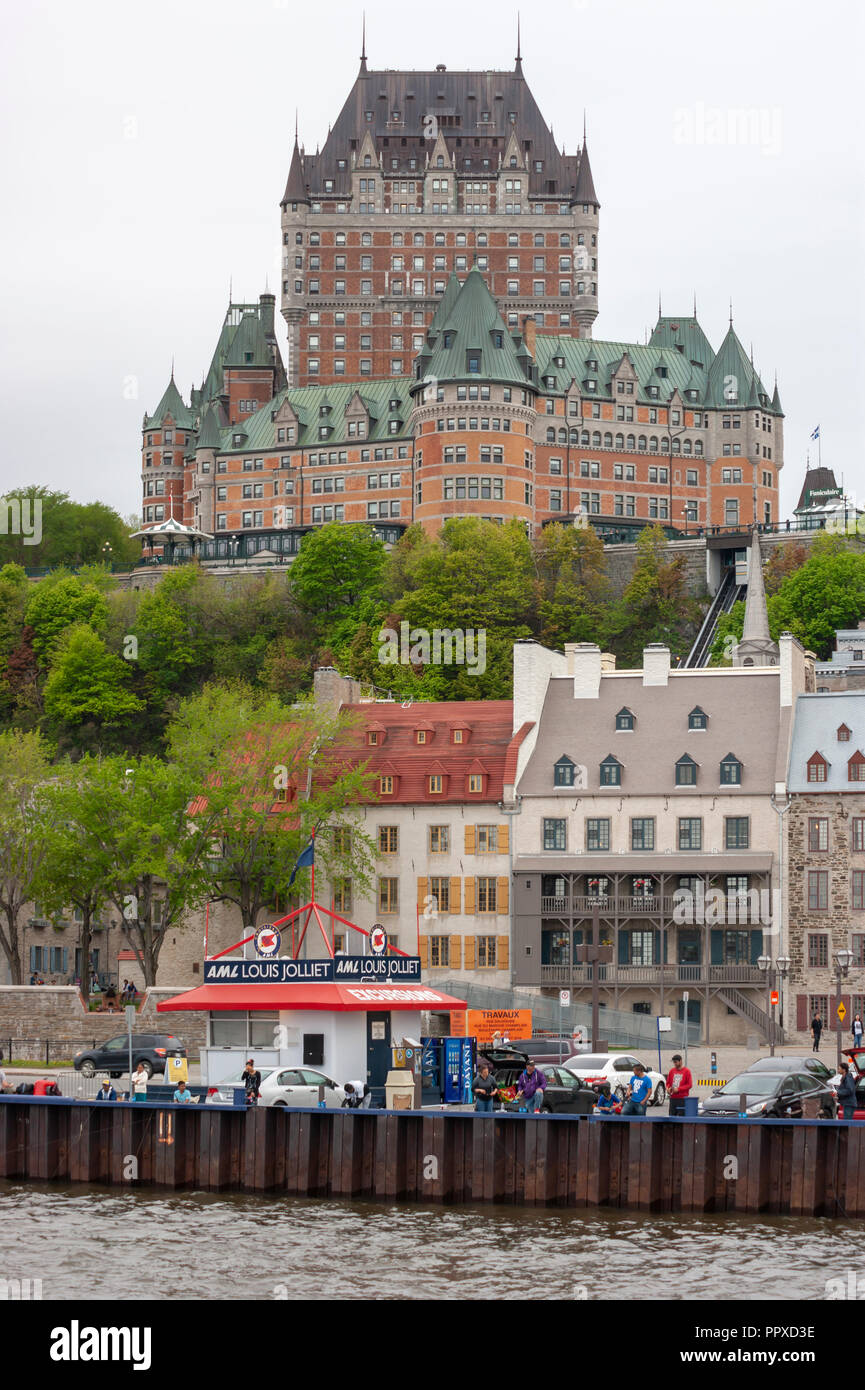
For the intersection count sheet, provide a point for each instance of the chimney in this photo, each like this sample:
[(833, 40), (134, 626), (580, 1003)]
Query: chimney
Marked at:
[(794, 669), (608, 662), (570, 648), (656, 664), (331, 690), (587, 670), (530, 333), (267, 305)]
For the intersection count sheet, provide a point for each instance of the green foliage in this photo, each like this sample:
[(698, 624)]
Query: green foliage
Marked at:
[(337, 567), (728, 632), (88, 684), (55, 607), (656, 605), (73, 533), (824, 594), (24, 770)]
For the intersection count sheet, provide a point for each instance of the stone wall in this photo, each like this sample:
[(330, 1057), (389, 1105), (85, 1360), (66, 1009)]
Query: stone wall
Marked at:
[(57, 1013)]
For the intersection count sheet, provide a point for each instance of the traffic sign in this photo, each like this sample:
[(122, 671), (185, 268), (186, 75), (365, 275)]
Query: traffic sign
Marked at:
[(841, 1011), (773, 997), (378, 939), (665, 1024), (564, 998)]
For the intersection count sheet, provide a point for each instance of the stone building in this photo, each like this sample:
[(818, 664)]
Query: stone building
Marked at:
[(845, 669), (647, 820), (826, 850)]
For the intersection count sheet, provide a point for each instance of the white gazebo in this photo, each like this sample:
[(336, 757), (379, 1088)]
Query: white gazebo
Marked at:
[(171, 533)]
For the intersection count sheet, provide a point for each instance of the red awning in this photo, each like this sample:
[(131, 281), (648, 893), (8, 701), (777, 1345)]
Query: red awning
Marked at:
[(342, 998)]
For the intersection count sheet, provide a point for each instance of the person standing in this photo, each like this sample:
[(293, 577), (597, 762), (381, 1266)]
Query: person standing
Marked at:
[(816, 1030), (484, 1089), (251, 1080), (846, 1092), (530, 1088), (679, 1084), (639, 1090), (857, 1031), (139, 1083)]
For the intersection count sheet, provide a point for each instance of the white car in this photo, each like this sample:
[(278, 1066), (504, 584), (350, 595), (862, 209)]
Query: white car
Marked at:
[(222, 1092), (616, 1067), (299, 1086)]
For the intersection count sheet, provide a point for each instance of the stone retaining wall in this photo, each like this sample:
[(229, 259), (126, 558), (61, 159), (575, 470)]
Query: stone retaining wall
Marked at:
[(57, 1011)]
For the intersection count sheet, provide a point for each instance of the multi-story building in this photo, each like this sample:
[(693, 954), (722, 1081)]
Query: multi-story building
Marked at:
[(845, 669), (826, 856), (492, 423), (421, 175), (648, 821)]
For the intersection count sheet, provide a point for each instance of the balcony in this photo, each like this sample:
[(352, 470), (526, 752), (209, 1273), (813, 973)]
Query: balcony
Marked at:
[(623, 976), (735, 909)]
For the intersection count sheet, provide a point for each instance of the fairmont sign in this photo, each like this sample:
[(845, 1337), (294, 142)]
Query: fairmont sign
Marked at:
[(341, 969)]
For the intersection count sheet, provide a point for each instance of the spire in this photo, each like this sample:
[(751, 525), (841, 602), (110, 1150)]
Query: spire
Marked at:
[(295, 188), (584, 125), (519, 50), (660, 311), (731, 311), (363, 45), (776, 399), (756, 647), (585, 189), (695, 303)]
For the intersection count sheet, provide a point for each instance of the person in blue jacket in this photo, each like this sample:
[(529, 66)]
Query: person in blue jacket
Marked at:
[(106, 1091), (639, 1090), (846, 1092)]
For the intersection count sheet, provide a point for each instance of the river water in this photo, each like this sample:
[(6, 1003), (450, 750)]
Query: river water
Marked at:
[(98, 1243)]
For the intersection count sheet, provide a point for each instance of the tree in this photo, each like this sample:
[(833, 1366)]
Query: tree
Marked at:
[(67, 533), (656, 605), (87, 684), (783, 561), (174, 653), (59, 603), (267, 777), (131, 822), (336, 568), (24, 771), (823, 595), (571, 585), (75, 869)]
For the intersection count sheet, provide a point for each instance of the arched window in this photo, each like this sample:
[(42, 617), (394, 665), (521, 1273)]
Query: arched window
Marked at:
[(563, 436), (641, 443), (665, 444), (630, 444), (596, 439), (698, 449), (653, 445), (551, 435), (608, 439), (584, 437), (677, 446), (575, 436), (686, 448), (620, 441)]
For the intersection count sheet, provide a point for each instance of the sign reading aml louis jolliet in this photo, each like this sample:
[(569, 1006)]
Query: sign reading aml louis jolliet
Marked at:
[(340, 968)]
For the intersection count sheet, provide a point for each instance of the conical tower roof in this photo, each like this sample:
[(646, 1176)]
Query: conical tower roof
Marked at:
[(732, 376), (295, 188), (473, 325), (171, 404), (210, 435), (585, 190)]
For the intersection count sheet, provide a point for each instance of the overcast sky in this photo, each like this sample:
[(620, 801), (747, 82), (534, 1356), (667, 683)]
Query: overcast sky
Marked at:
[(145, 149)]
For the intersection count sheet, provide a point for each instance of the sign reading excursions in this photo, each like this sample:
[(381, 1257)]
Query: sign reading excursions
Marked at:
[(341, 969)]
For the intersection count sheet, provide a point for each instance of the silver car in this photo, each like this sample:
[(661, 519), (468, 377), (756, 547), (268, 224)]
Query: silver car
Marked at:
[(299, 1087), (222, 1092)]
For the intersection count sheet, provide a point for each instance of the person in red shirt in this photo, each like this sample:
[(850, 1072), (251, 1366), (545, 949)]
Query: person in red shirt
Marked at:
[(679, 1083)]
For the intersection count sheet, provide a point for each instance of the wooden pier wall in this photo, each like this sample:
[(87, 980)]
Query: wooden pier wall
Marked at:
[(792, 1167)]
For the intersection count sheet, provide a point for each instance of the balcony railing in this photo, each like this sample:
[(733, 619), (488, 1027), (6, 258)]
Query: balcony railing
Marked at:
[(672, 974), (734, 909)]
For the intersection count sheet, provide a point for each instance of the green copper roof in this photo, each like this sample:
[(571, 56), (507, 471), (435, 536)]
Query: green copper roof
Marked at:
[(171, 404), (210, 435), (663, 368), (249, 345), (307, 401), (686, 336), (473, 325), (445, 304), (732, 375)]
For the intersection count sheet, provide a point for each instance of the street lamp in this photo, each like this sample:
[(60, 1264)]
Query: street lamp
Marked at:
[(774, 971), (843, 960)]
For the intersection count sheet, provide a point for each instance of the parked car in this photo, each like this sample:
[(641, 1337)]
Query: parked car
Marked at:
[(809, 1064), (299, 1086), (616, 1067), (222, 1093), (153, 1049), (562, 1090), (776, 1095)]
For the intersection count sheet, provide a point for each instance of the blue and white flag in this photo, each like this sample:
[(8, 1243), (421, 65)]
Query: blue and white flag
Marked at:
[(305, 859), (816, 433)]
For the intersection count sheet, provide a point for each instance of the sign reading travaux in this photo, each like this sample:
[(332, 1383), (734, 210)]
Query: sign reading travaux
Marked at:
[(339, 970), (483, 1024)]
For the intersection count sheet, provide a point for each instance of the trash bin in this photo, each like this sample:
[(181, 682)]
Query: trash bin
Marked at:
[(691, 1110), (399, 1090)]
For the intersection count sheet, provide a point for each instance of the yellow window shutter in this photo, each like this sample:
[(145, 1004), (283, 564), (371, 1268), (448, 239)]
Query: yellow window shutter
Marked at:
[(504, 838), (502, 895), (423, 951), (422, 891), (456, 952), (469, 953), (469, 896), (502, 952), (470, 839), (456, 886)]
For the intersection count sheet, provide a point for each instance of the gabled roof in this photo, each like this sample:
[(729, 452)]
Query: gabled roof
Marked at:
[(816, 721), (249, 345), (684, 335), (171, 404)]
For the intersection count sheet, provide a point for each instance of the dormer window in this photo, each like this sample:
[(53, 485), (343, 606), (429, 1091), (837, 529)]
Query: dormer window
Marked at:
[(420, 736), (698, 719), (435, 784), (624, 721), (448, 340), (731, 771), (564, 773), (476, 782), (372, 738), (817, 766), (458, 736), (686, 772), (385, 786), (611, 772), (856, 768), (843, 734)]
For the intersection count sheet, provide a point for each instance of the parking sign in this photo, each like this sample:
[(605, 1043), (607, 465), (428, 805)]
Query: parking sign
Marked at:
[(565, 998)]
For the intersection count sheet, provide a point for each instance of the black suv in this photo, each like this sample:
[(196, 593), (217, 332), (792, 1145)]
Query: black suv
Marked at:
[(777, 1095), (565, 1093), (112, 1056)]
